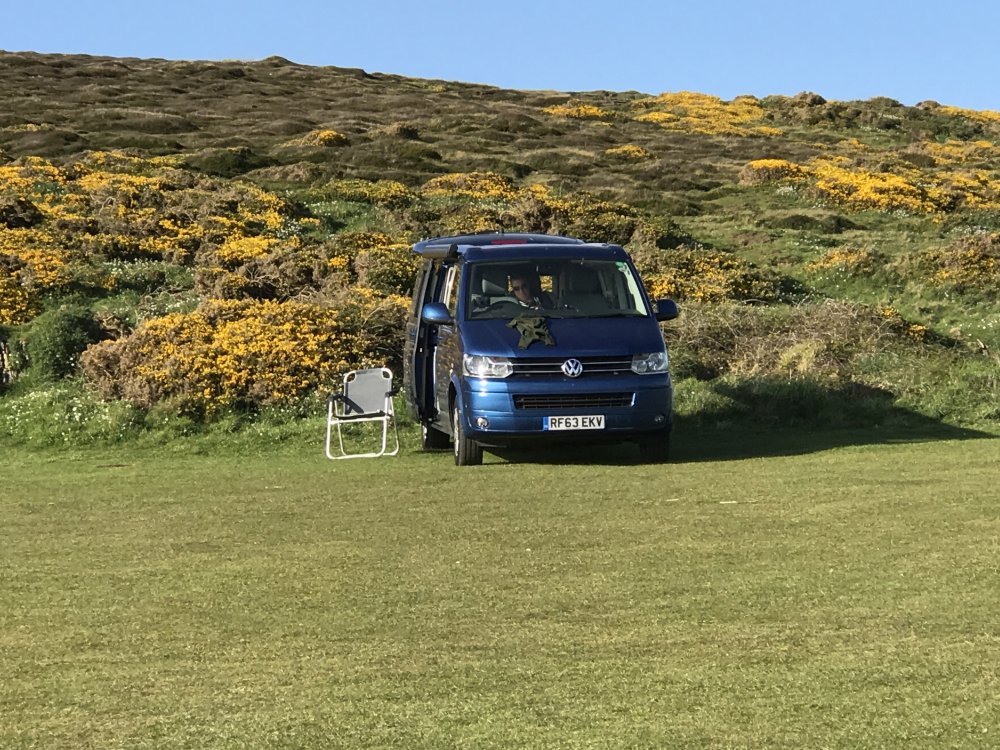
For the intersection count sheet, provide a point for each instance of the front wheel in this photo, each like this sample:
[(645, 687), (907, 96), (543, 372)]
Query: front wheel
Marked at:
[(467, 452)]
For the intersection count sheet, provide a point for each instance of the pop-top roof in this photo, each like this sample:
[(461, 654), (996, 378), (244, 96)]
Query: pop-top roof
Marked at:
[(440, 247)]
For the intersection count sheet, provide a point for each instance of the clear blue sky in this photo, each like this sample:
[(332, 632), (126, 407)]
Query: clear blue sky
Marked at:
[(909, 50)]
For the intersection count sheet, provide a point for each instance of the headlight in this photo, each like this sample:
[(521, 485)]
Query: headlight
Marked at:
[(478, 366), (644, 364)]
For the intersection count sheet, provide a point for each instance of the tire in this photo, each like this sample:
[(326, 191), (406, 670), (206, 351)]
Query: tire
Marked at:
[(655, 450), (432, 439), (467, 452)]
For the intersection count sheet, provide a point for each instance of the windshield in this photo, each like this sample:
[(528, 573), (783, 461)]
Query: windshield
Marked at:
[(560, 288)]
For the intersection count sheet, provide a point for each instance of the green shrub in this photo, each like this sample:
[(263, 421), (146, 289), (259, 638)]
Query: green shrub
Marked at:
[(658, 233), (57, 338)]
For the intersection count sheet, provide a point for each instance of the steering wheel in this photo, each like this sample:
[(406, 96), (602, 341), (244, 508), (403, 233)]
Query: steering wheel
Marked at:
[(504, 301)]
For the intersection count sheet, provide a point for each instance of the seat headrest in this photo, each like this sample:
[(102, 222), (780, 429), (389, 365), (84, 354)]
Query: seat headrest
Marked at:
[(494, 282), (584, 281)]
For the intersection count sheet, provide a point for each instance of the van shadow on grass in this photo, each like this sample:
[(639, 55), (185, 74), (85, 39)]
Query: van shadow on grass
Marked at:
[(771, 417), (761, 418)]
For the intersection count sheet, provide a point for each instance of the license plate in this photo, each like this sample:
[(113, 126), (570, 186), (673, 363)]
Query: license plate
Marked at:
[(595, 422)]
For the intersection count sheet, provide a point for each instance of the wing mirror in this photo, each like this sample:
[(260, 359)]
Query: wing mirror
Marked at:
[(436, 313), (666, 309)]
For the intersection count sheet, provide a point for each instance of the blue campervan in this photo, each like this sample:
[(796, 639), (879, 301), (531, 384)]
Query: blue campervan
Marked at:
[(531, 337)]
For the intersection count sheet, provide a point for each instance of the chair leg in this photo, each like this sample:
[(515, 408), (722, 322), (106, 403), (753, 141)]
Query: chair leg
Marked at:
[(329, 428), (340, 437), (395, 431)]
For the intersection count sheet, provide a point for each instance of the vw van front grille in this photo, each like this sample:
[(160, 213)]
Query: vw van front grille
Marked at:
[(574, 401), (552, 366)]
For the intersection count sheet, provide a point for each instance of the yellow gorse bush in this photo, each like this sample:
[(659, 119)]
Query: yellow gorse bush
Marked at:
[(881, 191), (42, 261), (223, 354), (239, 249), (374, 260), (853, 261), (908, 190), (763, 171), (353, 243), (578, 111), (475, 185), (705, 114), (972, 263), (958, 152), (708, 276), (629, 151), (901, 187), (986, 116), (387, 268), (117, 190), (18, 180), (28, 127), (319, 138), (245, 353), (46, 268), (109, 208), (388, 193), (17, 304), (34, 176), (483, 201), (147, 209)]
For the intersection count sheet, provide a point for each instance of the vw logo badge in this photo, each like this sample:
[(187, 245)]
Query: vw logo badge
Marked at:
[(572, 368)]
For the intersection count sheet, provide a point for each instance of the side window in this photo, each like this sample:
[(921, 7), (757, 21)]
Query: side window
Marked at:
[(451, 288), (434, 288), (632, 293)]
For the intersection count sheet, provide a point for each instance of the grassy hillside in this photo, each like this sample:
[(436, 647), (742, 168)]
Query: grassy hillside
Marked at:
[(202, 241)]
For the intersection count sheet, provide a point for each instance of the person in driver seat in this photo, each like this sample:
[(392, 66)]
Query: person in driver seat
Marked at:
[(527, 288)]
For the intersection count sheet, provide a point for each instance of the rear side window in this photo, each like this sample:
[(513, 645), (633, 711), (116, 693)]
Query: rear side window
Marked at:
[(432, 286)]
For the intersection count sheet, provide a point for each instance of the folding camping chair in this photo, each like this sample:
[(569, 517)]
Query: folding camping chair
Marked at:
[(366, 397)]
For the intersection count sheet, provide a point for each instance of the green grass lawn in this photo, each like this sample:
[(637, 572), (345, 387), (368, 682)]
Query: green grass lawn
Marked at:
[(789, 591)]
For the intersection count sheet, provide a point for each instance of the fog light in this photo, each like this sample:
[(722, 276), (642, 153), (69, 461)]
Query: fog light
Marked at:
[(482, 423), (659, 419)]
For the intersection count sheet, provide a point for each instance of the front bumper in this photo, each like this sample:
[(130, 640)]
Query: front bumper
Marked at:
[(641, 405)]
